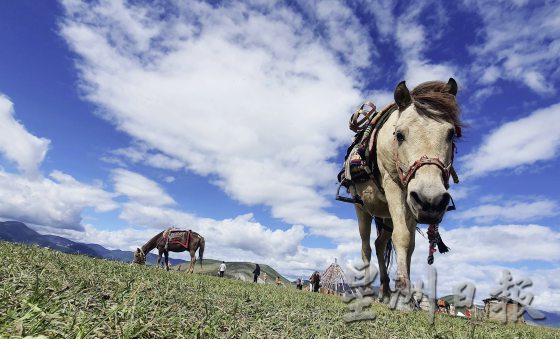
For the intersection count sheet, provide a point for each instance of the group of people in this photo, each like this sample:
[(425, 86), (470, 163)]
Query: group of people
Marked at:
[(315, 278), (256, 273)]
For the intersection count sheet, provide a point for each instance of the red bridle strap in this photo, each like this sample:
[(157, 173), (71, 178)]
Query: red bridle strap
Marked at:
[(446, 171)]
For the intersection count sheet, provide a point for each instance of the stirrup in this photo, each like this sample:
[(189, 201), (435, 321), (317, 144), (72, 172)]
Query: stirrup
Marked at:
[(452, 206), (352, 200)]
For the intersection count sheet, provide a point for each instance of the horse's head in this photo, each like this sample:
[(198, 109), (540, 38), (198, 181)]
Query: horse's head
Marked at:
[(139, 257), (424, 133)]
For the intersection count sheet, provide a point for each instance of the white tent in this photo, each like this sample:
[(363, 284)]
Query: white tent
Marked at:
[(334, 279)]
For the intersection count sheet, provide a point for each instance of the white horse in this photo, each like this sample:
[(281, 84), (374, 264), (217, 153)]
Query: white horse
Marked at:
[(414, 155)]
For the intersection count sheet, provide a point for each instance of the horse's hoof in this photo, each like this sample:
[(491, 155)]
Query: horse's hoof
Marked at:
[(384, 299), (404, 306)]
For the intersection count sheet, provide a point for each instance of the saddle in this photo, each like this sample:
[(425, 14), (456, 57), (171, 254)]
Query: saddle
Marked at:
[(360, 163), (175, 236)]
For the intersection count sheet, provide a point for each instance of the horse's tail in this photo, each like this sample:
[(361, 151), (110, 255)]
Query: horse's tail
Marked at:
[(389, 249), (201, 250)]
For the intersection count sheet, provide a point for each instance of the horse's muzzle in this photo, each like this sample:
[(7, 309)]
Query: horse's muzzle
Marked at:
[(429, 209)]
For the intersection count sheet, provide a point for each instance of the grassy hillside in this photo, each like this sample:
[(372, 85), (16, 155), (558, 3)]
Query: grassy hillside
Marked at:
[(61, 295), (236, 270)]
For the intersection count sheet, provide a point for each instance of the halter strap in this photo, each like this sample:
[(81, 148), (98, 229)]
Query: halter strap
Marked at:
[(446, 170)]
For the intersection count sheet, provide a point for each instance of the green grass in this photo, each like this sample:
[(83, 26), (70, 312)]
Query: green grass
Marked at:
[(43, 292)]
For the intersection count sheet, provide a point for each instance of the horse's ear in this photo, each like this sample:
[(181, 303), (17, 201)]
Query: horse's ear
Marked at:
[(402, 96), (451, 86), (137, 250)]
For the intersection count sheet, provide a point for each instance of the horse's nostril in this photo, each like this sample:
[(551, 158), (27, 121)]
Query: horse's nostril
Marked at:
[(445, 197), (434, 204), (416, 198)]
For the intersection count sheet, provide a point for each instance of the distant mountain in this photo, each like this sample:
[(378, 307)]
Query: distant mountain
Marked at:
[(552, 319), (15, 231)]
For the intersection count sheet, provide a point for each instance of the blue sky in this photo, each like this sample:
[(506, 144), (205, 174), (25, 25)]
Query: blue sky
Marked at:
[(120, 119)]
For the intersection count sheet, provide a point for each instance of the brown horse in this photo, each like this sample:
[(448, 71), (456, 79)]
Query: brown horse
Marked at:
[(174, 241)]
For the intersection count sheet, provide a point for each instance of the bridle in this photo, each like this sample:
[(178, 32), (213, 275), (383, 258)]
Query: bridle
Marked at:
[(143, 256), (405, 176), (446, 170)]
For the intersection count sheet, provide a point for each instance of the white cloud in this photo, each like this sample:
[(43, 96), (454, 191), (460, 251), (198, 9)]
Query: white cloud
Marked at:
[(483, 93), (512, 48), (57, 201), (509, 210), (382, 12), (492, 240), (139, 188), (345, 33), (237, 94), (411, 37), (522, 142), (140, 153), (17, 144), (459, 192), (490, 75), (381, 98), (241, 233), (418, 71), (479, 254)]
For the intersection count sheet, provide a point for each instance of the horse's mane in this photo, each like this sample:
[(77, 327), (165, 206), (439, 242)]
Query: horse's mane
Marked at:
[(433, 100), (152, 243)]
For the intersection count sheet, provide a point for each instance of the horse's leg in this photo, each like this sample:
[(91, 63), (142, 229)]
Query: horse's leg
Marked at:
[(193, 260), (411, 246), (380, 246), (158, 258), (191, 268), (166, 259), (404, 227), (364, 223)]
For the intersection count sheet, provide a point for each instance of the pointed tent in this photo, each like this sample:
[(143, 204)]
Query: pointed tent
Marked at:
[(334, 280)]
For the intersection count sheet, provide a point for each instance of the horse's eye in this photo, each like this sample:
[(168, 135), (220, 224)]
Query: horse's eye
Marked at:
[(399, 136), (450, 135)]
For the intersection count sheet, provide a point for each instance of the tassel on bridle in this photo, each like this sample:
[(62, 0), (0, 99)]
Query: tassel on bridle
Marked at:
[(434, 240)]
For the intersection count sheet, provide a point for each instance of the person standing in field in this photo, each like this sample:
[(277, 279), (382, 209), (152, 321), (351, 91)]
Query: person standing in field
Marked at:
[(256, 273), (278, 281), (315, 279), (299, 283), (222, 269)]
